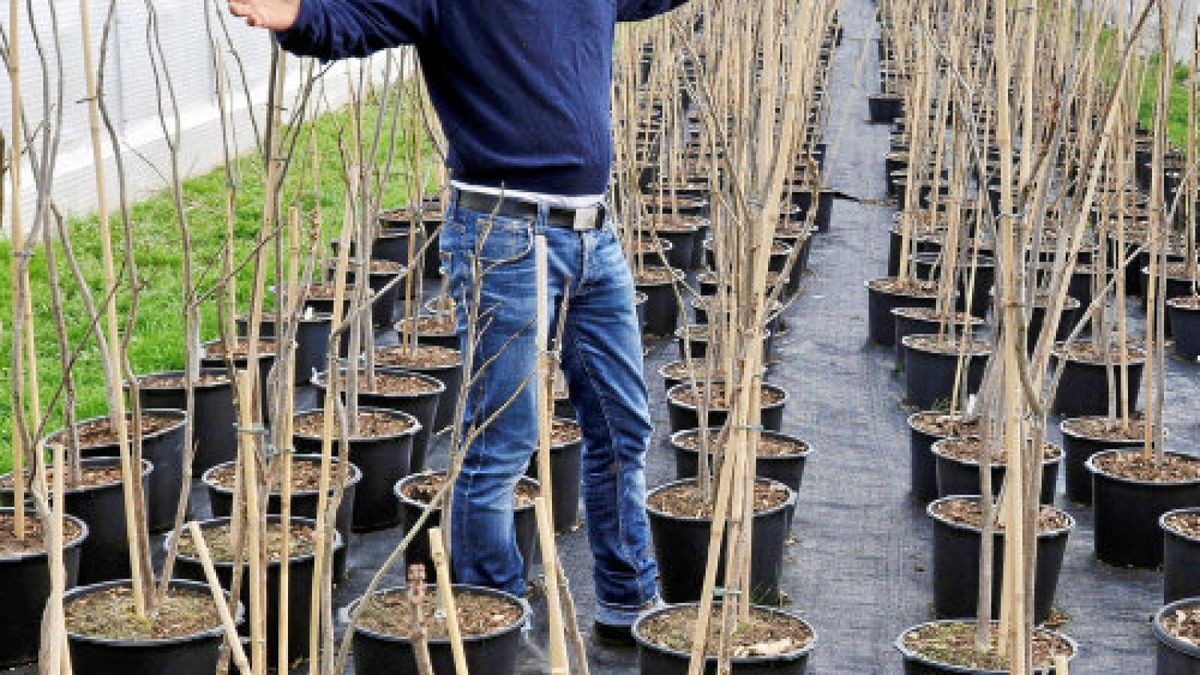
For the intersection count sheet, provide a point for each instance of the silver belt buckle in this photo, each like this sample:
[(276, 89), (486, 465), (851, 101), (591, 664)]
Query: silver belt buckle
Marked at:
[(585, 219)]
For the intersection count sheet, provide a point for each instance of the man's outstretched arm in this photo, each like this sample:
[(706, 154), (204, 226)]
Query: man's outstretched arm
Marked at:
[(335, 29), (639, 10)]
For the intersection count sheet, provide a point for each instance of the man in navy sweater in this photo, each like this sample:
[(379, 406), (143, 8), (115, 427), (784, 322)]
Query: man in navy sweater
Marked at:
[(522, 91)]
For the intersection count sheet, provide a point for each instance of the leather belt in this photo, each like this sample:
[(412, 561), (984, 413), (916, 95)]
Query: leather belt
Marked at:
[(580, 220)]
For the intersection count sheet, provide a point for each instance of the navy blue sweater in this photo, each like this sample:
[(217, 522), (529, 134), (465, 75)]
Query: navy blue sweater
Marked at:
[(522, 87)]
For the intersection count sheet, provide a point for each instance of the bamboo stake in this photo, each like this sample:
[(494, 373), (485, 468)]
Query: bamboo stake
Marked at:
[(130, 475), (437, 551), (420, 640), (232, 639), (16, 229), (256, 554)]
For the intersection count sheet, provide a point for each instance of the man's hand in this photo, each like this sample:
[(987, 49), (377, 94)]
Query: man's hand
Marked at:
[(277, 15)]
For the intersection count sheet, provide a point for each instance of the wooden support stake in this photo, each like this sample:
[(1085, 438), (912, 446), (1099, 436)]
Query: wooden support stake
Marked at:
[(437, 551), (218, 594)]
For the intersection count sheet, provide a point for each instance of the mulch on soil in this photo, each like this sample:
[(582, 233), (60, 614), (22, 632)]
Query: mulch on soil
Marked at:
[(765, 634), (1184, 624), (1106, 428), (394, 613), (371, 424), (306, 476), (240, 349), (945, 425), (179, 382), (420, 356), (686, 500), (1186, 524), (954, 644), (392, 383), (970, 449), (768, 446), (89, 476), (11, 546), (422, 490), (1135, 465), (101, 432), (969, 512), (947, 345), (911, 286), (110, 614), (437, 324), (1089, 352), (302, 542), (718, 397)]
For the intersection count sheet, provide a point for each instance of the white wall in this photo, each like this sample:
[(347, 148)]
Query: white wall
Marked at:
[(130, 93)]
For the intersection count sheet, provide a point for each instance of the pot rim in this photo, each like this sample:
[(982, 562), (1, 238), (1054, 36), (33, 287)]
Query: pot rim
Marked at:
[(775, 658), (147, 467), (765, 385), (318, 381), (1162, 523), (525, 612), (414, 428), (1137, 356), (180, 417), (217, 632), (179, 373), (969, 319), (939, 444), (1176, 303), (1095, 470), (908, 339), (400, 326), (934, 515), (84, 531), (1166, 638), (352, 480), (923, 295), (912, 427), (271, 518), (676, 272), (808, 448), (909, 654), (262, 356), (424, 369), (398, 489), (787, 503), (1065, 431)]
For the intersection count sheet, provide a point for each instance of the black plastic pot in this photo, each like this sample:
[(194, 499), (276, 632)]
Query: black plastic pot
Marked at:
[(929, 374), (1079, 449), (959, 477), (492, 654), (25, 587), (684, 239), (213, 414), (566, 469), (1175, 657), (1083, 388), (661, 307), (787, 469), (885, 108), (443, 339), (908, 322), (1127, 514), (923, 468), (684, 416), (196, 654), (451, 377), (820, 217), (304, 504), (301, 569), (929, 266), (639, 303), (102, 508), (1181, 560), (383, 302), (417, 553), (164, 450), (422, 406), (383, 461), (1066, 324), (881, 324), (655, 251), (312, 341), (1185, 322), (956, 567), (916, 664), (265, 363), (655, 659), (681, 546), (919, 244)]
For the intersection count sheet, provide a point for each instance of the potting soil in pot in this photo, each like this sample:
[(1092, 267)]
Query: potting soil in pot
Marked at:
[(424, 489), (306, 476), (971, 449), (765, 634), (768, 445), (953, 643), (100, 432), (945, 425), (422, 356), (1135, 465), (387, 382), (371, 424), (968, 511), (392, 613), (686, 500), (109, 614), (11, 547), (240, 349), (1185, 524), (302, 541), (1184, 624), (718, 398)]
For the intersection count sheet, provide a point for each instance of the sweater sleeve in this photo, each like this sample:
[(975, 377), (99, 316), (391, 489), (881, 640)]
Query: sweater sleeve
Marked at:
[(337, 29), (640, 10)]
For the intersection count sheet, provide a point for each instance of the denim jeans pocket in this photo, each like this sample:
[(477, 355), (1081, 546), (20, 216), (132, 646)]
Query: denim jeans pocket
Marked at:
[(500, 239)]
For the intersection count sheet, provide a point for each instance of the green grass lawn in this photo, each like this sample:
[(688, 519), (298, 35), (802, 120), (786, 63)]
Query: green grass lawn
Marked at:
[(158, 339)]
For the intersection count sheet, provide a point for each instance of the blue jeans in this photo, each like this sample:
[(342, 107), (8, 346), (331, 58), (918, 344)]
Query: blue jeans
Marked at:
[(601, 355)]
